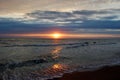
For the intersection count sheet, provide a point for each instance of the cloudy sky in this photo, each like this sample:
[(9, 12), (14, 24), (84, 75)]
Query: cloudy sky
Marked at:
[(78, 17)]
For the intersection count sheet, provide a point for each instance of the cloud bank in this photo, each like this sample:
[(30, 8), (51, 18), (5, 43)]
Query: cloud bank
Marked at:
[(84, 21)]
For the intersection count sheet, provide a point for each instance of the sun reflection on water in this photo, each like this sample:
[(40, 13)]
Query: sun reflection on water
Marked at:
[(57, 66), (55, 52)]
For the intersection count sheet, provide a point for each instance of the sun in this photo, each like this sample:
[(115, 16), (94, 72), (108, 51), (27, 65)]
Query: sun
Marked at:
[(56, 35)]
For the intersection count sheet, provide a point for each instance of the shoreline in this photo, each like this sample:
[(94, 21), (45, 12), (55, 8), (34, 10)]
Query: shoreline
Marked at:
[(104, 73)]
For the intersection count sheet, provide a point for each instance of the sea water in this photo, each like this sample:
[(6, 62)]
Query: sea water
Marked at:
[(41, 59)]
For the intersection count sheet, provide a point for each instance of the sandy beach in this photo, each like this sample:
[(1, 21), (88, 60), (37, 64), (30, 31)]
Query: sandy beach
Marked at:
[(105, 73)]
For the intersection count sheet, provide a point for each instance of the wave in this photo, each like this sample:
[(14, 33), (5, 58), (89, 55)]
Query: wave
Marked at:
[(42, 59), (54, 73), (40, 45), (14, 65), (72, 45)]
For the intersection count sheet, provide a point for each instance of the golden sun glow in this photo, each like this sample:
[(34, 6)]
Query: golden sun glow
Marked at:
[(56, 35), (61, 35)]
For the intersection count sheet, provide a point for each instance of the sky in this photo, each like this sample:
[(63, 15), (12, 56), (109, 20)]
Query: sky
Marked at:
[(73, 18)]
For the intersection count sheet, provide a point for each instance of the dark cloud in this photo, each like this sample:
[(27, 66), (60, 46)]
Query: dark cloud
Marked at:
[(49, 14), (89, 12), (109, 17), (101, 24), (45, 14), (44, 21), (12, 26), (72, 17)]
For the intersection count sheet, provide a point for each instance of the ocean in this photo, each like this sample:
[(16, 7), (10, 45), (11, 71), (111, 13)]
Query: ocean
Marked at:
[(42, 59)]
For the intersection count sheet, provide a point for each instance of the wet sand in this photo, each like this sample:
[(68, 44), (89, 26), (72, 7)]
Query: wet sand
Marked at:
[(105, 73)]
